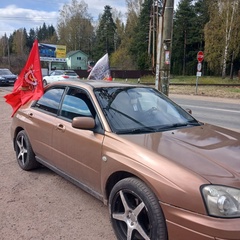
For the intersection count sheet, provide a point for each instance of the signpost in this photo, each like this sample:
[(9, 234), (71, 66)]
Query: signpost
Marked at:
[(200, 57)]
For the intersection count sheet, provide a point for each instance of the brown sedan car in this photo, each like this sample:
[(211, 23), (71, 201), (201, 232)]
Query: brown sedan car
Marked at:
[(163, 174)]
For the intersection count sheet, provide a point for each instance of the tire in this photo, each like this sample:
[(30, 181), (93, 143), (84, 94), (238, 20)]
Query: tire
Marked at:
[(44, 83), (24, 153), (135, 212)]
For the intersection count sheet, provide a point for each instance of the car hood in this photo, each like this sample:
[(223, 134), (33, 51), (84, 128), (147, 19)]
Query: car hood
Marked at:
[(210, 151)]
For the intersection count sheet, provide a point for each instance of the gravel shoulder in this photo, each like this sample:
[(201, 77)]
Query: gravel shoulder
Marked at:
[(42, 205), (206, 91)]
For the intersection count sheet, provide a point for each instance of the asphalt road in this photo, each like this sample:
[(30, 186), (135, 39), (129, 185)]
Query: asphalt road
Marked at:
[(218, 111)]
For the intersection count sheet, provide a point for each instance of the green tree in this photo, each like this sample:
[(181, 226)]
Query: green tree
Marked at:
[(105, 34), (222, 34), (139, 44), (19, 42), (202, 17), (42, 32), (30, 38), (186, 42), (119, 34), (122, 58), (4, 46)]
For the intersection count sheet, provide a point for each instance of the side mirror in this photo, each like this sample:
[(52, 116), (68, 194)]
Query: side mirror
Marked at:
[(189, 110), (87, 123)]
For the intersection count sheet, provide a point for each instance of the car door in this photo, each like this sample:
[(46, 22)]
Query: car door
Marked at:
[(41, 118), (54, 76), (78, 152)]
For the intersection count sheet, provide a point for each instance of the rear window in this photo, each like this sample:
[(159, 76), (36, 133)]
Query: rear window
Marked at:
[(5, 72), (70, 74)]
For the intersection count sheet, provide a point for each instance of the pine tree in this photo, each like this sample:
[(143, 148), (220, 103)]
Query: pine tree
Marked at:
[(105, 35), (185, 39), (139, 45)]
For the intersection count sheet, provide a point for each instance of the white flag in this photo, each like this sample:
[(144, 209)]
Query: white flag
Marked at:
[(101, 70)]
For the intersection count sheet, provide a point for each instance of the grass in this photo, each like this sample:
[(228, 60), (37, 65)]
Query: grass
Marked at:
[(185, 80), (190, 88), (234, 90), (204, 80)]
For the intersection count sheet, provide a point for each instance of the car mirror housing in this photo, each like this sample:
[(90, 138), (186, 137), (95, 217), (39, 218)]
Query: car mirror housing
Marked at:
[(189, 110), (87, 123)]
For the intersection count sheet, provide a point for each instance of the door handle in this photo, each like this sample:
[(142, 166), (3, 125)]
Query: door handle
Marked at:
[(30, 115), (61, 127)]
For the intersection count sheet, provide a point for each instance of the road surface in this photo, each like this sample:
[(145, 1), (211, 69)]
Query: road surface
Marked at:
[(219, 111)]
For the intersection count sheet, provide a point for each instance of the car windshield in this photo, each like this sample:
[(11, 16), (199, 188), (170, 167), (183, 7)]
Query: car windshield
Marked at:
[(70, 73), (141, 109), (63, 72), (5, 72), (57, 72)]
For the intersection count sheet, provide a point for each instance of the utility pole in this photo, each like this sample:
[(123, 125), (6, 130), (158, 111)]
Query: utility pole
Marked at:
[(164, 46)]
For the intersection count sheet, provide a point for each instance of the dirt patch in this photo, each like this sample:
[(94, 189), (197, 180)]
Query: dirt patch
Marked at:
[(39, 204)]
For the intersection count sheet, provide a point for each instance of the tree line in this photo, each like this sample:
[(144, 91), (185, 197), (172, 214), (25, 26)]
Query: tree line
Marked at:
[(211, 26)]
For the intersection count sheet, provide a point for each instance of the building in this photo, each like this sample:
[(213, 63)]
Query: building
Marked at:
[(77, 60)]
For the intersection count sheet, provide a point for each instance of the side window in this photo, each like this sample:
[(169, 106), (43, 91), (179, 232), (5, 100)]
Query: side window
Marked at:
[(75, 104), (50, 101)]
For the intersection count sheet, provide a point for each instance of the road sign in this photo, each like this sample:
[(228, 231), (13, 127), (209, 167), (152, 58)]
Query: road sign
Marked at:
[(200, 56), (199, 74), (199, 67)]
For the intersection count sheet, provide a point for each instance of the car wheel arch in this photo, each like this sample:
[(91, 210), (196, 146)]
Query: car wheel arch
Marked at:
[(45, 82), (118, 176), (112, 180)]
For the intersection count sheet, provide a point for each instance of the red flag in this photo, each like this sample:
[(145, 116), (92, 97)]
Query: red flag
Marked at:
[(28, 85)]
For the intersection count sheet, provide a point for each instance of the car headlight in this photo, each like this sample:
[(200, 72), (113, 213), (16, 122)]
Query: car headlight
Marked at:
[(222, 201)]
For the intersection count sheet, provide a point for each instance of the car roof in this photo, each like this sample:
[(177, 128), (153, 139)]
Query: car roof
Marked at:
[(94, 84), (5, 69), (62, 70)]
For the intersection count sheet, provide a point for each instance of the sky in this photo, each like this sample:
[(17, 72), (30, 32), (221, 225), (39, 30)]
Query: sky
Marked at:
[(15, 14)]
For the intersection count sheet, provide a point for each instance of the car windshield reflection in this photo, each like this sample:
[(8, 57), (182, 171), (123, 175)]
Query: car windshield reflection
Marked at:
[(141, 110)]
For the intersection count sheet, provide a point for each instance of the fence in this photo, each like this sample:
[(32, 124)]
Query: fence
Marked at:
[(119, 73)]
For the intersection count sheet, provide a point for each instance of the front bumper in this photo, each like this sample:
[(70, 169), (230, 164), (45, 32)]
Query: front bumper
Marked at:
[(184, 225), (7, 82)]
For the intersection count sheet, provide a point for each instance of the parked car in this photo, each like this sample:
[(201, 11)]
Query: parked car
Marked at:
[(163, 174), (7, 77), (59, 75)]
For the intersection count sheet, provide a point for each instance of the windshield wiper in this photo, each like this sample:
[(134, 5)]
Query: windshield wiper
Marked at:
[(137, 130), (178, 125)]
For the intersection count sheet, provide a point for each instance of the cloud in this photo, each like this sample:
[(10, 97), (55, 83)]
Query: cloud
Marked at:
[(97, 7), (13, 18)]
